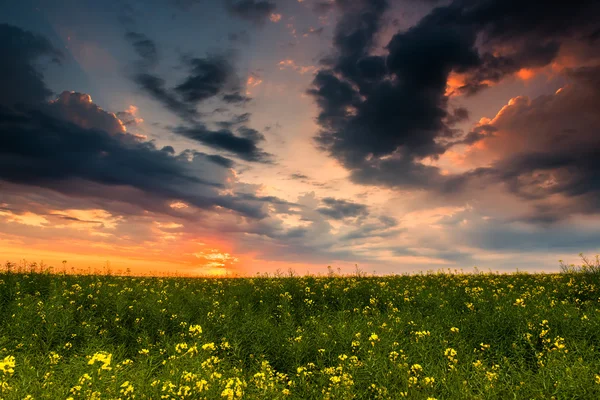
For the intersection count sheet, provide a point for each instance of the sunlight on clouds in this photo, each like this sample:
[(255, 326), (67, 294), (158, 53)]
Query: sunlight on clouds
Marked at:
[(27, 218), (178, 205), (215, 262), (251, 82), (83, 218), (454, 83), (430, 216), (293, 221), (291, 64), (168, 225)]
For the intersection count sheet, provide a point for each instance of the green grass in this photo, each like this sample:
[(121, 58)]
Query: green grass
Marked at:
[(435, 335)]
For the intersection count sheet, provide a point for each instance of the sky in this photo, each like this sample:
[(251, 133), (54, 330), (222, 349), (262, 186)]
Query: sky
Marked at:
[(211, 137)]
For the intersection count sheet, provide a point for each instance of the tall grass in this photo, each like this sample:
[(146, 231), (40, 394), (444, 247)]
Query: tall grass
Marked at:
[(435, 335)]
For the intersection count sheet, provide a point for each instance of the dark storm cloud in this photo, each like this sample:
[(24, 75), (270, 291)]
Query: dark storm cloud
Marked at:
[(243, 145), (235, 98), (220, 160), (380, 115), (144, 47), (207, 77), (72, 146), (340, 209), (52, 153), (493, 69), (257, 11), (156, 88), (20, 80), (235, 120)]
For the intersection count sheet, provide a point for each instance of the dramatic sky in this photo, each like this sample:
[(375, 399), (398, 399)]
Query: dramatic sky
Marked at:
[(245, 136)]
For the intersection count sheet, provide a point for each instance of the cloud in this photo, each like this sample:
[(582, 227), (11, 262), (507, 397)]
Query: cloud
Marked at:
[(548, 146), (155, 87), (382, 115), (313, 31), (244, 145), (235, 120), (129, 117), (301, 69), (144, 47), (235, 98), (207, 77), (340, 209), (74, 147), (21, 81), (299, 176), (79, 109), (256, 11)]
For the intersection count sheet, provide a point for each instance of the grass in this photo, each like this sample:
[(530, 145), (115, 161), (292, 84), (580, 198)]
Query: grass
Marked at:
[(429, 336)]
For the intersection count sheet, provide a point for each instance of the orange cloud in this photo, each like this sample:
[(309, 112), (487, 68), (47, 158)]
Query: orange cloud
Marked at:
[(284, 64), (454, 83), (525, 74), (275, 17), (27, 218), (253, 81)]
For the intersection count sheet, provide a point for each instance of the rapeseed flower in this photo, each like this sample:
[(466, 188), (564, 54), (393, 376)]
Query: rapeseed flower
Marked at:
[(7, 366)]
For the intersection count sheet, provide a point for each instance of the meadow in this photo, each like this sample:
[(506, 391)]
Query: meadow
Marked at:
[(435, 335)]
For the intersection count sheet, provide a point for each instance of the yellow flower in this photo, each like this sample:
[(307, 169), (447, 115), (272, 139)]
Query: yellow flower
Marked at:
[(208, 346), (519, 303), (54, 358), (450, 352), (102, 357), (126, 389), (180, 347), (7, 366), (491, 375), (416, 368), (454, 330), (195, 330)]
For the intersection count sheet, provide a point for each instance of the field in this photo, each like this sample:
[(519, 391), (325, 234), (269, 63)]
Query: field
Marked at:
[(429, 336)]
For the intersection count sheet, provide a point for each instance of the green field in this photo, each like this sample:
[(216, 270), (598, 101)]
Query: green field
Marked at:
[(428, 336)]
